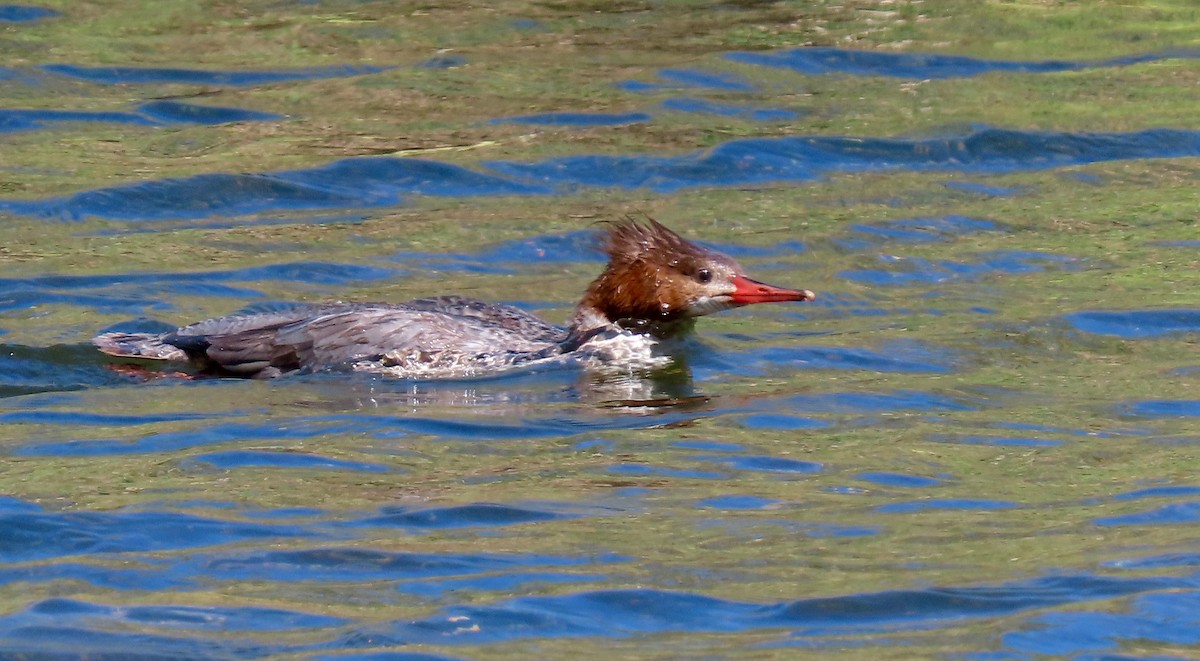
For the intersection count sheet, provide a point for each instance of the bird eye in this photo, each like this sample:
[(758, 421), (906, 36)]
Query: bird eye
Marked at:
[(704, 275)]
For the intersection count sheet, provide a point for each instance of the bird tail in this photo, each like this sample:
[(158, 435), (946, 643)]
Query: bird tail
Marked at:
[(148, 346)]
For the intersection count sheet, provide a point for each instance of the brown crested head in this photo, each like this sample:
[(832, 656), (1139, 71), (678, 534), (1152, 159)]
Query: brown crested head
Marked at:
[(654, 275)]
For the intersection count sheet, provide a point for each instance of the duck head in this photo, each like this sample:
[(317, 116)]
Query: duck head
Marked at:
[(658, 281)]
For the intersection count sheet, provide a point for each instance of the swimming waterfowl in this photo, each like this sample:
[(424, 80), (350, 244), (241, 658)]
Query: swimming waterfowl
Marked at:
[(654, 287)]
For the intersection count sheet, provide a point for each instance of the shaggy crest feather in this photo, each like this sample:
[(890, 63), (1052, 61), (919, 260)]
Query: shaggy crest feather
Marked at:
[(645, 264), (628, 240)]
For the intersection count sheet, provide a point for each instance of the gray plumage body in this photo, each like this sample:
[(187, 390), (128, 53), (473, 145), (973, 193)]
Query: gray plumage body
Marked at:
[(437, 337)]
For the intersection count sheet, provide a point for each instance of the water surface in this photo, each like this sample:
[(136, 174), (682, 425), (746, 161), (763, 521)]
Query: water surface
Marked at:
[(979, 442)]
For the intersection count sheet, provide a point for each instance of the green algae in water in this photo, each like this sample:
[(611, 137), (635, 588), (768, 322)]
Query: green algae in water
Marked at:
[(1044, 456)]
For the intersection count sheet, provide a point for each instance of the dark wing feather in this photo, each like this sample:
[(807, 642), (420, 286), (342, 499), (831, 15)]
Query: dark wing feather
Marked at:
[(346, 336), (247, 344)]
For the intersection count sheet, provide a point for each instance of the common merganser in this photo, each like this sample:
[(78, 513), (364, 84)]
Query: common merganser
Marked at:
[(655, 285)]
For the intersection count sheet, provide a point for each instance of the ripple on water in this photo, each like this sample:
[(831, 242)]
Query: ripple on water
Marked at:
[(709, 446), (752, 528), (577, 119), (1160, 492), (748, 113), (1135, 324), (1172, 514), (901, 356), (1161, 408), (506, 582), (738, 502), (245, 618), (878, 402), (386, 181), (294, 460), (690, 78), (908, 271), (38, 534), (128, 576), (358, 564), (138, 291), (1000, 441), (86, 418), (923, 66), (780, 421), (153, 113), (211, 433), (293, 582), (900, 479), (27, 370), (1160, 561), (472, 515), (66, 626), (1171, 619), (603, 613), (766, 464), (44, 637), (349, 183), (25, 13), (511, 256), (156, 75), (648, 470), (961, 504), (325, 564), (13, 120), (833, 304), (934, 229), (764, 160), (177, 112), (621, 613)]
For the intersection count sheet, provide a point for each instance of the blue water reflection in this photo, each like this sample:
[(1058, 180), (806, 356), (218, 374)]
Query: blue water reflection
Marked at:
[(178, 76), (1173, 514), (243, 458), (765, 160), (137, 292), (1136, 323), (1173, 619), (818, 61), (383, 181), (13, 120), (619, 613), (152, 113), (190, 113), (25, 13), (693, 105), (899, 479), (909, 271), (39, 535), (967, 504), (691, 78), (900, 356), (915, 230)]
